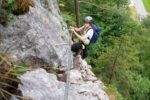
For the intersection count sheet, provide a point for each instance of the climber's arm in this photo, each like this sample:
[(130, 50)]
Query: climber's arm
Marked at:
[(78, 29), (82, 38)]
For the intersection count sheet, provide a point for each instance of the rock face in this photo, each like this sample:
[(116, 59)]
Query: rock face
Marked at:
[(40, 85), (37, 36)]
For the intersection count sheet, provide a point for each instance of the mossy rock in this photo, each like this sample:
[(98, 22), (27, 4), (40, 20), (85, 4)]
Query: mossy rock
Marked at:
[(10, 8), (3, 17)]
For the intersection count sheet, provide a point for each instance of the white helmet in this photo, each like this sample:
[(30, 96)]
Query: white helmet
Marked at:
[(88, 19)]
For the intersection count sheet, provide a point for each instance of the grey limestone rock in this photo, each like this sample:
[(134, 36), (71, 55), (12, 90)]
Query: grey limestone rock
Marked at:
[(40, 85), (38, 35)]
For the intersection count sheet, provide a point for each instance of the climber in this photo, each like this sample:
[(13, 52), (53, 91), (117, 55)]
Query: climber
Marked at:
[(85, 38)]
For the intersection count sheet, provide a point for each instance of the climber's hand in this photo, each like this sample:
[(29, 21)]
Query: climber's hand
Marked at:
[(72, 30), (71, 27)]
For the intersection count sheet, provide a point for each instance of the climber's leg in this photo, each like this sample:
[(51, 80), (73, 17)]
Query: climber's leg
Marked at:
[(76, 47), (84, 53)]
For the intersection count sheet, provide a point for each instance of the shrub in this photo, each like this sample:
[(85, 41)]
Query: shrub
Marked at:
[(10, 8), (23, 6)]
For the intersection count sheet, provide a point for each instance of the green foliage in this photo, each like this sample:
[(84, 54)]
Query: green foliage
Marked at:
[(9, 1), (6, 17), (140, 87), (112, 91), (10, 8), (6, 11), (147, 4), (146, 22), (144, 54), (20, 69), (69, 18), (11, 5)]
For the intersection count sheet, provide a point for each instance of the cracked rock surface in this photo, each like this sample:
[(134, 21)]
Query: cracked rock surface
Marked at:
[(40, 85), (37, 36)]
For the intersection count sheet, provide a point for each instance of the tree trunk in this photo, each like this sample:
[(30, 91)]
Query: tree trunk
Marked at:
[(114, 63), (77, 12)]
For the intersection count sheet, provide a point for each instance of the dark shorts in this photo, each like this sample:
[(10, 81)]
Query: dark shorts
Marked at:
[(77, 47)]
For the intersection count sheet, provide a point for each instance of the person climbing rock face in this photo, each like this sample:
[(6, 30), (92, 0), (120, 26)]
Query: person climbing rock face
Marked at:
[(85, 38)]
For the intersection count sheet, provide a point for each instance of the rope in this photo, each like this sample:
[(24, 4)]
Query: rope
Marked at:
[(59, 44), (66, 95), (68, 72)]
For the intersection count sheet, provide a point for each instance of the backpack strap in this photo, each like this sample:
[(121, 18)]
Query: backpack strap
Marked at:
[(87, 31)]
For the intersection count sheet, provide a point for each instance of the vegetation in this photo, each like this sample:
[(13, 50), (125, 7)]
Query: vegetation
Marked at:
[(147, 4), (8, 78), (121, 56), (9, 72), (146, 22), (10, 8), (134, 15), (23, 6)]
